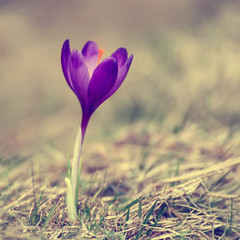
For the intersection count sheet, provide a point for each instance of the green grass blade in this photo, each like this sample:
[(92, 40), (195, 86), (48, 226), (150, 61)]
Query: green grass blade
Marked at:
[(146, 219), (129, 205), (49, 215)]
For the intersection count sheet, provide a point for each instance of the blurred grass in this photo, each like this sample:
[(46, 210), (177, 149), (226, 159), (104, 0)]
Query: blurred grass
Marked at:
[(185, 71), (185, 66), (147, 184)]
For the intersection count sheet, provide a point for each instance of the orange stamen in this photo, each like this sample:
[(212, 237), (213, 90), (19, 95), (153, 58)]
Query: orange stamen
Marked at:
[(100, 55)]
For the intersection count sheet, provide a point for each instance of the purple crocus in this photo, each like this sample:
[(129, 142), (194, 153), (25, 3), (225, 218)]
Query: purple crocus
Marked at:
[(91, 80)]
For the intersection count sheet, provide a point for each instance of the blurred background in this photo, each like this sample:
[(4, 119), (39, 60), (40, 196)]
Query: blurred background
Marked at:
[(186, 67)]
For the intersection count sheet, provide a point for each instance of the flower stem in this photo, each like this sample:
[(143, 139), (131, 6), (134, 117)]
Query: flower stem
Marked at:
[(72, 211), (76, 164), (73, 184)]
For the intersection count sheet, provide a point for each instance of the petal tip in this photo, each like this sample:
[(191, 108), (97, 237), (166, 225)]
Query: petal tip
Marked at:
[(66, 42)]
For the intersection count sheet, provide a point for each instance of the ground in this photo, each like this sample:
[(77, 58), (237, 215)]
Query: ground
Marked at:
[(147, 184)]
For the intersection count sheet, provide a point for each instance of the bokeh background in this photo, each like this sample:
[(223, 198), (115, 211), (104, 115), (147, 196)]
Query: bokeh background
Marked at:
[(186, 67)]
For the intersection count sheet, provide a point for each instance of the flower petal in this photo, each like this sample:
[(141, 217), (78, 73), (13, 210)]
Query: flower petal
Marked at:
[(65, 60), (121, 56), (79, 76), (122, 73), (102, 81), (90, 54)]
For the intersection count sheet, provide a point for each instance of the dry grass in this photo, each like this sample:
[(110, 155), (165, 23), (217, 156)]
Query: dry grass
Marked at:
[(147, 185)]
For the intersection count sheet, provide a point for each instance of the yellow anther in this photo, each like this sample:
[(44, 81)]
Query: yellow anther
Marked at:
[(100, 54)]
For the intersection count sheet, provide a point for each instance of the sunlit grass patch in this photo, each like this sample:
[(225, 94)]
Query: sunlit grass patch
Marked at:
[(146, 184)]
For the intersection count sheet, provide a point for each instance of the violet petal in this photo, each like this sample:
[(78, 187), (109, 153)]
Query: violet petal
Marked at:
[(90, 54), (102, 81), (122, 73), (65, 61), (121, 56), (79, 76)]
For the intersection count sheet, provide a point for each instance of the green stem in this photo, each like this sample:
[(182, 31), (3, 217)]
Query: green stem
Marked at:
[(76, 164), (72, 210), (73, 184)]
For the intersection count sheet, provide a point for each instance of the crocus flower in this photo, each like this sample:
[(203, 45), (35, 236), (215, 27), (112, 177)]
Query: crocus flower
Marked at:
[(93, 81)]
